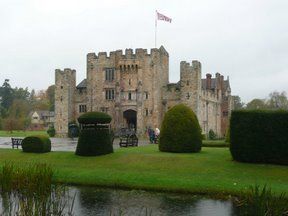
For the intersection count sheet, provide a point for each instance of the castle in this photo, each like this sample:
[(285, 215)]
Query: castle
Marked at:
[(134, 89)]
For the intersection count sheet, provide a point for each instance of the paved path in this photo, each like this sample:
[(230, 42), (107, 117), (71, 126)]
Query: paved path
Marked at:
[(63, 144)]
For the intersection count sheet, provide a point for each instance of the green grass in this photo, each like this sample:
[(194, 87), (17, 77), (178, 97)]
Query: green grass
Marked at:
[(21, 133), (214, 143), (210, 172)]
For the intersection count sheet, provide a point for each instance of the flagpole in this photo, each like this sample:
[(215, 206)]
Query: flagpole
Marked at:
[(156, 30)]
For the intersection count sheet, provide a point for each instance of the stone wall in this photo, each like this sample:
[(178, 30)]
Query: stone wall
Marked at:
[(144, 76), (65, 86)]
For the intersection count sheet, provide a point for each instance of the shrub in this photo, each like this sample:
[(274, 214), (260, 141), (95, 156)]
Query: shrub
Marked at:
[(94, 118), (96, 139), (259, 136), (261, 201), (36, 144), (180, 131), (94, 142), (211, 134), (51, 131)]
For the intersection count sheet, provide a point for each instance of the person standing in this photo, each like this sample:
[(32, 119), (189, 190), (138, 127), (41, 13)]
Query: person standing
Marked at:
[(151, 134), (157, 133)]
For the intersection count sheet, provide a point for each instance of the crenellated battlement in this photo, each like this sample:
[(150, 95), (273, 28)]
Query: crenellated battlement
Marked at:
[(186, 66), (128, 54), (66, 71)]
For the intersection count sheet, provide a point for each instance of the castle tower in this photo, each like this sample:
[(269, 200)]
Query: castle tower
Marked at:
[(190, 80), (65, 85)]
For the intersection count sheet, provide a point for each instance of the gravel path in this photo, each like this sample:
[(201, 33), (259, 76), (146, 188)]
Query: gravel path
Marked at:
[(63, 144)]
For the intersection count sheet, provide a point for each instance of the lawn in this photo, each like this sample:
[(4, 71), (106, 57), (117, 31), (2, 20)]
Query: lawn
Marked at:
[(215, 143), (211, 171), (21, 133)]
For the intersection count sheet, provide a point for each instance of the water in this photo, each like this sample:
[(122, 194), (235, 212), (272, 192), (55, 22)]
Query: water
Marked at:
[(94, 201)]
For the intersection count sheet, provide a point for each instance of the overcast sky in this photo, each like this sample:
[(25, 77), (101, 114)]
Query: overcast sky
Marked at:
[(246, 40)]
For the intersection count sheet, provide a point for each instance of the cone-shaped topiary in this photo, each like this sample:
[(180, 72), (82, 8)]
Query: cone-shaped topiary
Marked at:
[(96, 139), (180, 131)]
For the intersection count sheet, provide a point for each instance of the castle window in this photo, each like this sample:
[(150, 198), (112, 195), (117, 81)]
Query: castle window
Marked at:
[(82, 108), (146, 95), (61, 87), (109, 94), (187, 83), (146, 112), (61, 98), (132, 67), (121, 68), (109, 74), (129, 96), (136, 66), (129, 82), (104, 109), (128, 67)]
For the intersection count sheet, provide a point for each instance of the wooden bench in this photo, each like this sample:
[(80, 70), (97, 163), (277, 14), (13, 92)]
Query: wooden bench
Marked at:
[(16, 142)]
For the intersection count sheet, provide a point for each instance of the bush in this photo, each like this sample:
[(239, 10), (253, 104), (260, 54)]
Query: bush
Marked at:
[(36, 144), (180, 131), (95, 140), (94, 118), (51, 131), (211, 134), (259, 136)]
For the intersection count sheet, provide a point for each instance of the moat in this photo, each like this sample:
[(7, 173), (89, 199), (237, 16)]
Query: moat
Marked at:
[(99, 201)]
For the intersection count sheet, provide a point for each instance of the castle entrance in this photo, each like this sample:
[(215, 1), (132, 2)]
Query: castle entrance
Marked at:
[(130, 117)]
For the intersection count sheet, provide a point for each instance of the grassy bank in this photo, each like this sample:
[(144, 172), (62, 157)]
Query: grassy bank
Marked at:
[(21, 133), (211, 171)]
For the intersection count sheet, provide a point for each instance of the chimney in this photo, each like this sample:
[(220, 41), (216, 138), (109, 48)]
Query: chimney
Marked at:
[(217, 75), (222, 82), (208, 81)]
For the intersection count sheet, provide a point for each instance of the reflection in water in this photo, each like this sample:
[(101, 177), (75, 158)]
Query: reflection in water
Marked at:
[(96, 201)]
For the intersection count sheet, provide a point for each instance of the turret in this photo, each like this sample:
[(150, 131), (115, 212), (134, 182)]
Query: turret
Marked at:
[(65, 81)]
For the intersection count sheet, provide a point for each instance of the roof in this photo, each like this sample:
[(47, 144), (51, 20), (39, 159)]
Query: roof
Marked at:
[(82, 84), (42, 113)]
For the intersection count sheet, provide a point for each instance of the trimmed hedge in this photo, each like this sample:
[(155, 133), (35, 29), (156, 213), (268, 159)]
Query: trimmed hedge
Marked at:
[(259, 136), (94, 142), (94, 118), (36, 144), (180, 131), (51, 131)]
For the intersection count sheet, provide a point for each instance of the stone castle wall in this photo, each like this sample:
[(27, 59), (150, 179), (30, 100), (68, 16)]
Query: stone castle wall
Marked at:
[(141, 85), (65, 82)]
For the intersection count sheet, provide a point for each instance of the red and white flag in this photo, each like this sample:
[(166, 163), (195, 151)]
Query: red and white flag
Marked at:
[(163, 17)]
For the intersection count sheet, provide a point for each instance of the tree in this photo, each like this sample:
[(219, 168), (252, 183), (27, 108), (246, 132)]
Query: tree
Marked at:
[(20, 93), (256, 104), (237, 103), (277, 100), (6, 95), (50, 93)]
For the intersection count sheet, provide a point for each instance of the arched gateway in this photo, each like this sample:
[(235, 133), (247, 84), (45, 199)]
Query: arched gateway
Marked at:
[(130, 116)]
